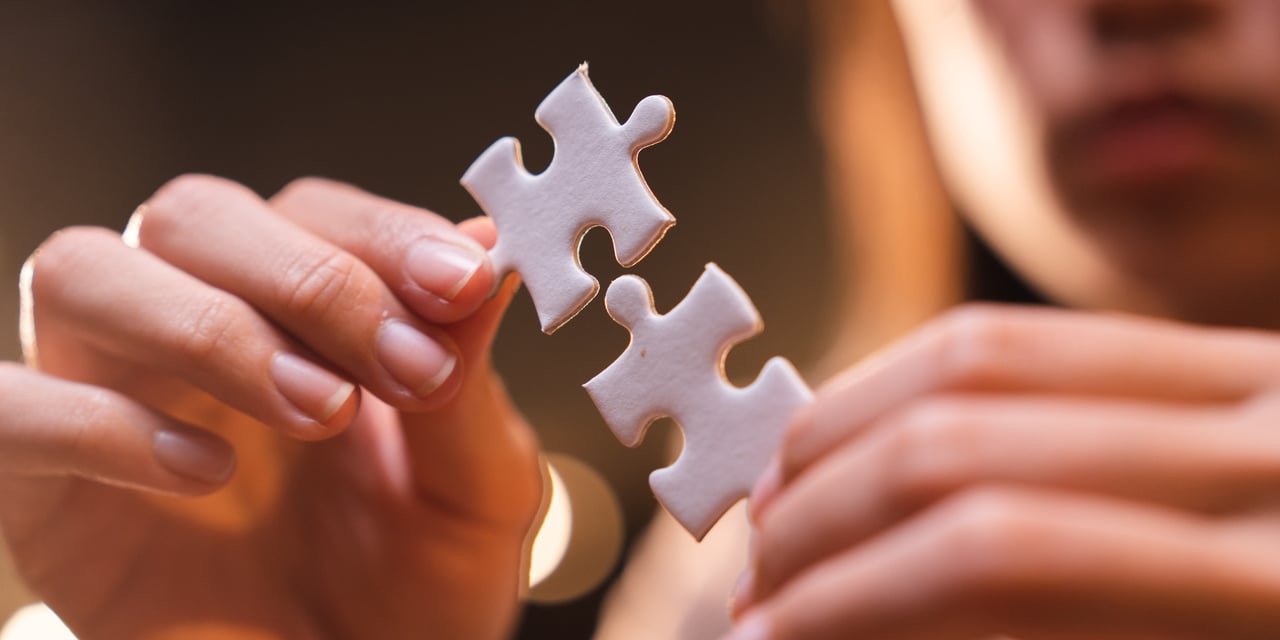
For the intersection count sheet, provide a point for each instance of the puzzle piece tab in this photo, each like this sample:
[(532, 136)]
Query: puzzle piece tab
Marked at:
[(593, 181), (674, 367)]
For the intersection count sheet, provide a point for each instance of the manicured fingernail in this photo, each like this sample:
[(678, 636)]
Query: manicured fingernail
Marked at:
[(416, 361), (195, 455), (766, 488), (755, 627), (443, 267), (313, 390)]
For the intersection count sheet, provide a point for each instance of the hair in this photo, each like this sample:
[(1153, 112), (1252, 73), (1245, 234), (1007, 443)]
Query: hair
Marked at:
[(900, 248), (903, 253)]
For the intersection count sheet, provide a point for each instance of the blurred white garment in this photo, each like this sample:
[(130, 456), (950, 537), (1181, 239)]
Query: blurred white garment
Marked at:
[(675, 588)]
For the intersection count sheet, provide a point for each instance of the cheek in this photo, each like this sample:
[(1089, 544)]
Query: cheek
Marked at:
[(973, 69), (1045, 44)]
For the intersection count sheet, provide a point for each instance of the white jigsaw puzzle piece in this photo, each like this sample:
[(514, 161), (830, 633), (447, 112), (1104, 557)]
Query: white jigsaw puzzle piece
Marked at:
[(674, 367), (593, 180)]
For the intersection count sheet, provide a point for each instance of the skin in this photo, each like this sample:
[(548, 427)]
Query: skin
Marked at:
[(378, 513), (1046, 474), (1063, 474)]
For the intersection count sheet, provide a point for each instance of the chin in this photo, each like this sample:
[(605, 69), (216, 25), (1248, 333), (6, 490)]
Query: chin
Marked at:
[(1203, 237), (1196, 268)]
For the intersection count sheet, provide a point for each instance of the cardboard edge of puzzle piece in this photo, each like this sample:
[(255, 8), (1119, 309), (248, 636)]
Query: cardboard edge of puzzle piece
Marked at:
[(593, 180), (673, 367)]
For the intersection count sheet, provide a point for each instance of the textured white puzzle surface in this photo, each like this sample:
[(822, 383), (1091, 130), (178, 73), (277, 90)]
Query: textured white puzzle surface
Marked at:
[(593, 181), (674, 367)]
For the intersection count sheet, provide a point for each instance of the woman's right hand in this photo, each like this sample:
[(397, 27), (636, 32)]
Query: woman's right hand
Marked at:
[(267, 419)]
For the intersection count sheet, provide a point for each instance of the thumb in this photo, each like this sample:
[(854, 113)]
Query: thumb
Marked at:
[(476, 454)]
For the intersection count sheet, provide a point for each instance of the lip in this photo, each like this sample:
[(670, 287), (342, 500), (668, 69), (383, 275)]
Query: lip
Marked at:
[(1152, 143)]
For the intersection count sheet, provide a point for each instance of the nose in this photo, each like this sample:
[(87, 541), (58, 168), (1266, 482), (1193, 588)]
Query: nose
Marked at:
[(1152, 22)]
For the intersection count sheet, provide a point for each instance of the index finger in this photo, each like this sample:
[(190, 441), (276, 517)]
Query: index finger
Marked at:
[(1028, 350), (434, 268)]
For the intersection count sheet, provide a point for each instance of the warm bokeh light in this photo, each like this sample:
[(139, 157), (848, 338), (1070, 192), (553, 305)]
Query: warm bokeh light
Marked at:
[(35, 622), (581, 537), (552, 539)]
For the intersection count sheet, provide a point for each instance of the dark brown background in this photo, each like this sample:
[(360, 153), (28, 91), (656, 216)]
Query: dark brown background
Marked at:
[(100, 103)]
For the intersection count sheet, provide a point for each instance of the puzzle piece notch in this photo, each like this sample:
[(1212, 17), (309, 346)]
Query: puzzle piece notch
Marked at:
[(593, 180), (674, 367)]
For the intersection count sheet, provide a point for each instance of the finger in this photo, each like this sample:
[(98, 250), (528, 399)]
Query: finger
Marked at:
[(88, 287), (476, 455), (1034, 564), (1034, 350), (1202, 458), (481, 230), (329, 299), (55, 428), (436, 270)]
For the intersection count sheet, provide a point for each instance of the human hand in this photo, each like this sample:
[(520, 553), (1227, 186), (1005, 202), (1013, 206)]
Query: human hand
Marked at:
[(331, 343), (1037, 473)]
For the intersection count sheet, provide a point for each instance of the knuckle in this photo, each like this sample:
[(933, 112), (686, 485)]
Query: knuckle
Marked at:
[(923, 450), (315, 286), (64, 252), (986, 539), (973, 343), (983, 518), (306, 187), (216, 323), (180, 199), (191, 191)]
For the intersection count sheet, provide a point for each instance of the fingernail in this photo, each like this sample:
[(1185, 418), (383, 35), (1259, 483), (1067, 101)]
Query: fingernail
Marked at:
[(441, 266), (755, 627), (195, 455), (416, 361), (766, 488), (313, 390)]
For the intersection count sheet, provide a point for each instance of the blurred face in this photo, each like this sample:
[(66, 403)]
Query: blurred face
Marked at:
[(1121, 153)]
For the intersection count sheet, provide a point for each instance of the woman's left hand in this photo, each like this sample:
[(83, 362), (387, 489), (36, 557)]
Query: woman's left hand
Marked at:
[(1037, 473)]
